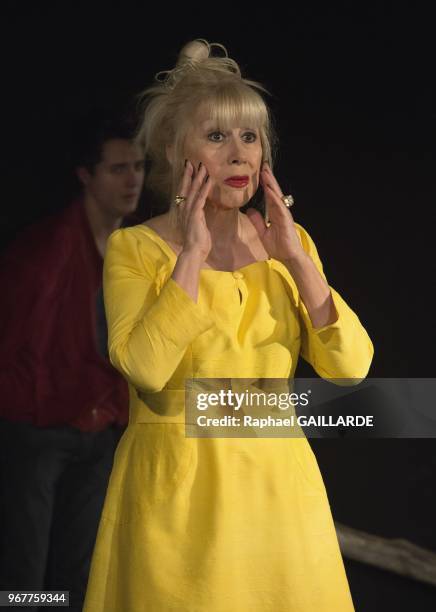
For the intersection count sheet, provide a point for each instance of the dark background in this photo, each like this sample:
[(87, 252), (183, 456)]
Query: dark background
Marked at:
[(353, 95)]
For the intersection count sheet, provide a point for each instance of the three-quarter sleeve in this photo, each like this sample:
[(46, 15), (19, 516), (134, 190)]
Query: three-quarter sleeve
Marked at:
[(149, 326), (342, 349)]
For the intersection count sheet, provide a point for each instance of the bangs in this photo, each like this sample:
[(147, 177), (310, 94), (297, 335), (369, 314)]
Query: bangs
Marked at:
[(231, 106)]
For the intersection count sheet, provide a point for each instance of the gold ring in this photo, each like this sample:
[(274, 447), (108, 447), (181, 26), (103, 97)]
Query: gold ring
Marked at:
[(178, 200), (287, 200)]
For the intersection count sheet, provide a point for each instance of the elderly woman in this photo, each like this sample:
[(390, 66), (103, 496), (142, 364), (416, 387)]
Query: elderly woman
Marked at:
[(217, 524)]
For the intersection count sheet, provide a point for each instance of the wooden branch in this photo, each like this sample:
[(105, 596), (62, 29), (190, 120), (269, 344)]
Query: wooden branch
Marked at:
[(396, 555)]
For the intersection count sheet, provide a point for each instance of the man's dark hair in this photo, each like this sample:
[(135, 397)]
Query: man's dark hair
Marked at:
[(93, 130)]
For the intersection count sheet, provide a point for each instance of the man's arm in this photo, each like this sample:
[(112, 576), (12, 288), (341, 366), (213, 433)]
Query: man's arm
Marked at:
[(30, 280)]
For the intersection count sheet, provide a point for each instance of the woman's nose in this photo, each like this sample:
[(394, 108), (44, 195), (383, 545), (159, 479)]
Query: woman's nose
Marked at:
[(237, 154)]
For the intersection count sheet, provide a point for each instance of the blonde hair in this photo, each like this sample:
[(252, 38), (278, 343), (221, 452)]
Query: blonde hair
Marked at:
[(200, 78)]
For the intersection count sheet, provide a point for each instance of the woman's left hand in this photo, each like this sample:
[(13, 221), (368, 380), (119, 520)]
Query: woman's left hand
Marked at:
[(280, 239)]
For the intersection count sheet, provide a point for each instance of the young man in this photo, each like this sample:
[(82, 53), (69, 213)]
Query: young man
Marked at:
[(62, 405)]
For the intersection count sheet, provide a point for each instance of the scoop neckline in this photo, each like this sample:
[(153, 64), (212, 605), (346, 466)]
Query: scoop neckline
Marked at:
[(173, 254)]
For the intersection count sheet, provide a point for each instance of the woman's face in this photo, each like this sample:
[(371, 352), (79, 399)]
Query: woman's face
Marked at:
[(236, 152)]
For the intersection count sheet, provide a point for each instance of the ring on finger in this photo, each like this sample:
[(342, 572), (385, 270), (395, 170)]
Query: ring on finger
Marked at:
[(179, 200), (287, 200)]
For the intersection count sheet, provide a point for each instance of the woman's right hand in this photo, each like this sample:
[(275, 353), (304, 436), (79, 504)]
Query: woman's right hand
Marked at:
[(196, 238), (195, 186)]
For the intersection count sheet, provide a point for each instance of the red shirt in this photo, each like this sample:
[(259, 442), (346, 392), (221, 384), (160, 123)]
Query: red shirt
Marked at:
[(51, 372)]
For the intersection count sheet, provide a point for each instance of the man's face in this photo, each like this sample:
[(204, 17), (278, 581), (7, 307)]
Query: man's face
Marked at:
[(117, 180)]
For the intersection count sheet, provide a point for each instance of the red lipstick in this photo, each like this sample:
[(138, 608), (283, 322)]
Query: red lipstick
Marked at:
[(237, 181)]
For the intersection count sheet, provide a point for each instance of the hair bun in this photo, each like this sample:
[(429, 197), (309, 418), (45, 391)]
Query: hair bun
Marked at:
[(194, 51), (192, 55)]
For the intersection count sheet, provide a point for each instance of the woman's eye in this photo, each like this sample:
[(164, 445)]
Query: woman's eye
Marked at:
[(212, 136), (218, 136), (252, 136)]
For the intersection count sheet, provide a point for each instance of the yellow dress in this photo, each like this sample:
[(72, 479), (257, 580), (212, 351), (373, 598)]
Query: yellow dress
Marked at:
[(214, 524)]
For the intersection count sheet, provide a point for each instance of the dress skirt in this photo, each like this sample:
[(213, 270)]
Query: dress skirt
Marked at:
[(215, 525)]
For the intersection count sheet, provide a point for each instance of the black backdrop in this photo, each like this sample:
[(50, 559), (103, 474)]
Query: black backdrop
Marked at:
[(354, 106)]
